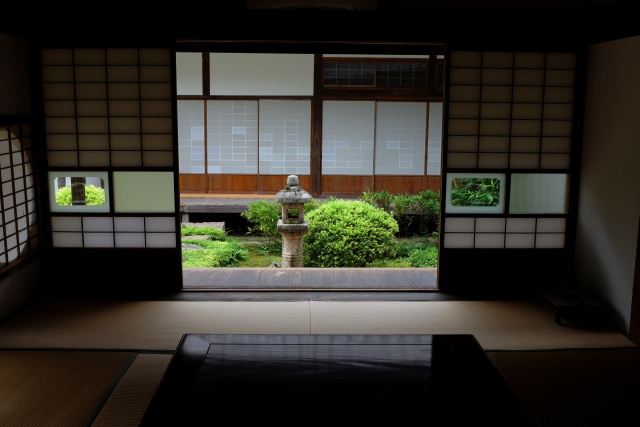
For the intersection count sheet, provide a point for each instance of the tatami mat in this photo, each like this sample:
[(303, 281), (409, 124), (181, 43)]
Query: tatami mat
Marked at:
[(130, 398), (55, 388), (112, 355), (159, 325)]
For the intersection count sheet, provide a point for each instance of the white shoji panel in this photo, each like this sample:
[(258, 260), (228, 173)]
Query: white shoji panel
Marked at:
[(490, 225), (461, 225), (129, 224), (160, 224), (520, 241), (97, 224), (130, 240), (66, 223), (459, 240), (521, 225), (509, 233), (98, 240), (161, 240), (489, 240), (550, 241), (551, 225), (67, 240)]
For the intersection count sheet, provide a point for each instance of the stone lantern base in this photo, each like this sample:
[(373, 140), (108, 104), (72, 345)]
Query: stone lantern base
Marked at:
[(292, 243)]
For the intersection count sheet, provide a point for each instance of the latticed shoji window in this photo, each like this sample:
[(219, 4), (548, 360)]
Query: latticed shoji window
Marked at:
[(510, 119), (18, 205), (109, 119)]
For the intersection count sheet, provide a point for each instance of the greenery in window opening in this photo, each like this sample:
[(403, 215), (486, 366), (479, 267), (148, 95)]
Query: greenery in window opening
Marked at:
[(475, 192), (93, 195)]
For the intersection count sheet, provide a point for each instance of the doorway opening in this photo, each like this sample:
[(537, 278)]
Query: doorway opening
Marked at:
[(349, 122)]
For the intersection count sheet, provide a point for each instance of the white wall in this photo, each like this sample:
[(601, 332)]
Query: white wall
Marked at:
[(609, 206)]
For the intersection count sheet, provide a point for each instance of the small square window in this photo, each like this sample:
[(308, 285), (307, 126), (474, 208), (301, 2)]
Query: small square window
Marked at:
[(79, 192), (475, 193)]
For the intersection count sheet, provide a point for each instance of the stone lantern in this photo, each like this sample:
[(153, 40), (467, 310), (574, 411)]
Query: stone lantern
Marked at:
[(292, 227)]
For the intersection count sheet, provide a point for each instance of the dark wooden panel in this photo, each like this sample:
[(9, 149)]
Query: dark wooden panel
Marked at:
[(397, 184), (192, 183), (275, 183), (346, 184), (233, 183)]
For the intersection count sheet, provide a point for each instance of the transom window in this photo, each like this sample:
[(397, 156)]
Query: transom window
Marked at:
[(372, 73)]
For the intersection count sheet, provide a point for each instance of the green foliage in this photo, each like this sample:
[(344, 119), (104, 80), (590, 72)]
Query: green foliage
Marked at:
[(348, 233), (475, 192), (214, 253), (381, 199), (420, 211), (427, 257), (264, 215), (214, 232), (93, 195)]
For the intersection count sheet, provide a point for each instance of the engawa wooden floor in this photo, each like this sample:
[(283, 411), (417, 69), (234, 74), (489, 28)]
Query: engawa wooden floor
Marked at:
[(351, 279)]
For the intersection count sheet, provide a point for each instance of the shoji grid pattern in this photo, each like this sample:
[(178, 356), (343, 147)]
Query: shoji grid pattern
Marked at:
[(191, 138), (509, 112), (285, 137), (434, 138), (108, 107), (110, 232), (348, 132), (385, 138), (400, 138), (18, 207), (505, 233), (232, 137)]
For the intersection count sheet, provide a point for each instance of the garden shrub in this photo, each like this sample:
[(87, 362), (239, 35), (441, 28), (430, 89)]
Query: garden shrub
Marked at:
[(93, 195), (264, 214), (348, 233), (214, 232), (417, 214), (427, 257), (214, 253)]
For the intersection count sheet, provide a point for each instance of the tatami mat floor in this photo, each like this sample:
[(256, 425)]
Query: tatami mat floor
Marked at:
[(147, 333)]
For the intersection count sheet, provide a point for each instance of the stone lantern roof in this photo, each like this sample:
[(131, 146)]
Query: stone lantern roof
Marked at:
[(293, 193)]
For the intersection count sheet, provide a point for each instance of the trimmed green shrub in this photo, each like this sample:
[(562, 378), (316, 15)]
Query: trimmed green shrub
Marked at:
[(348, 233), (214, 232), (93, 195), (214, 253)]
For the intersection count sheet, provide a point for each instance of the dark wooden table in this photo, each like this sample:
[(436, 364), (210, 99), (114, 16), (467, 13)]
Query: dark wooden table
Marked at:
[(338, 379)]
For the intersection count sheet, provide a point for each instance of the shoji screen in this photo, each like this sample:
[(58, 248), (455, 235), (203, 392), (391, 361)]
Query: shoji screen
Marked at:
[(109, 119), (510, 117)]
